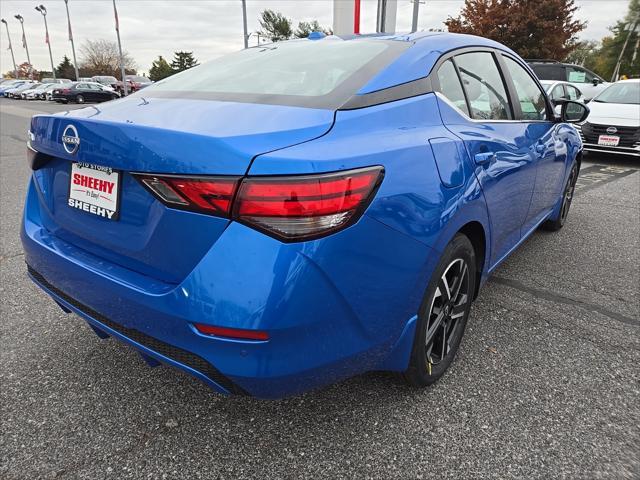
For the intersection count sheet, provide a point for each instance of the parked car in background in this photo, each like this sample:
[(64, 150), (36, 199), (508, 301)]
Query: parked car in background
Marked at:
[(33, 93), (82, 92), (56, 80), (17, 90), (559, 92), (137, 82), (613, 125), (11, 85), (45, 94), (585, 80), (271, 226), (86, 79), (106, 80)]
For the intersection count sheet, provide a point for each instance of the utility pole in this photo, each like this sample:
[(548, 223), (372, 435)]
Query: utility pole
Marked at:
[(43, 11), (73, 48), (632, 28), (13, 59), (124, 83), (244, 23)]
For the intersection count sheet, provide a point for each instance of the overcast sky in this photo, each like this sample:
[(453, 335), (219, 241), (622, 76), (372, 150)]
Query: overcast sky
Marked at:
[(210, 28)]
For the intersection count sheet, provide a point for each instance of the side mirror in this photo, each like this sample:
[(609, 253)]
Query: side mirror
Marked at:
[(574, 112), (595, 82)]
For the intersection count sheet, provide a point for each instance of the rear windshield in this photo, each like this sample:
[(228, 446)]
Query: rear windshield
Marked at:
[(320, 74)]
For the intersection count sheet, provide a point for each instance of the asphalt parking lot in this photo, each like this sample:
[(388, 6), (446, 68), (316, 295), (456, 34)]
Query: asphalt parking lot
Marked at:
[(546, 385)]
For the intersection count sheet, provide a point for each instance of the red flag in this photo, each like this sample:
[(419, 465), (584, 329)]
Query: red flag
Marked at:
[(116, 13), (24, 41), (46, 39), (70, 34)]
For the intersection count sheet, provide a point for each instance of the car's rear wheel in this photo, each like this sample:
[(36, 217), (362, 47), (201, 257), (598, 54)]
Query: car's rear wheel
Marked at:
[(443, 314), (557, 222), (80, 99)]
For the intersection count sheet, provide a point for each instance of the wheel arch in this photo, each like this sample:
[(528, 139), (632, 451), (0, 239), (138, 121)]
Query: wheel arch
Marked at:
[(474, 231)]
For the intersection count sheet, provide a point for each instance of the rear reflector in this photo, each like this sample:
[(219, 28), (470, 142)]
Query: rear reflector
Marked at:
[(290, 208), (231, 332)]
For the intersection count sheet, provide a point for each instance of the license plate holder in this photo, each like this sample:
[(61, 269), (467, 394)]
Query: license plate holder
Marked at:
[(609, 140), (95, 190)]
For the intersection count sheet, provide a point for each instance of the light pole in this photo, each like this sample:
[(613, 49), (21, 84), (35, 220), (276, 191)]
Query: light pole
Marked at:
[(73, 47), (13, 59), (244, 23), (124, 83), (416, 7), (43, 11), (24, 42)]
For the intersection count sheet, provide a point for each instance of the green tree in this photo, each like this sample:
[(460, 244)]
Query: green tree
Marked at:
[(604, 60), (275, 26), (533, 28), (183, 61), (160, 69), (65, 69), (305, 28)]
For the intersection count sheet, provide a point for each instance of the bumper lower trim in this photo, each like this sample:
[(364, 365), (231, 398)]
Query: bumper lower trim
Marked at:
[(176, 354)]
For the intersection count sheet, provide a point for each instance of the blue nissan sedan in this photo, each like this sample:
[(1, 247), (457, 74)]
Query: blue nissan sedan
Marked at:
[(298, 213)]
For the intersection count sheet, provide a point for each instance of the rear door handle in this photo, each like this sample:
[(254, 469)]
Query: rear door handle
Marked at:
[(484, 157)]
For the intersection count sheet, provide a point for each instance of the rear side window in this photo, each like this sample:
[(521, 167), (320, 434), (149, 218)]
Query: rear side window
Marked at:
[(550, 72), (573, 92), (451, 87), (484, 86), (530, 96)]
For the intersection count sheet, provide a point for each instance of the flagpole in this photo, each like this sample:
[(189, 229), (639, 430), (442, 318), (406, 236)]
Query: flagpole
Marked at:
[(124, 83), (43, 11), (13, 59), (73, 47), (24, 43)]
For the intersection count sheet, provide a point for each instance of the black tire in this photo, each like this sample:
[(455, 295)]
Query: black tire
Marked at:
[(557, 222), (79, 99), (436, 342)]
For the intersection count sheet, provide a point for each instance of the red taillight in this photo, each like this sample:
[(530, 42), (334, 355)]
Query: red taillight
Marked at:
[(205, 194), (236, 333), (290, 208), (65, 90), (305, 206)]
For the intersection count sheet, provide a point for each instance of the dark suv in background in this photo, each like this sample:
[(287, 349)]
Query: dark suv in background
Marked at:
[(584, 80)]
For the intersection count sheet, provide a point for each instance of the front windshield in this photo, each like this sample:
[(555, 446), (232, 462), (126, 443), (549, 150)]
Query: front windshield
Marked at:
[(323, 73), (624, 92)]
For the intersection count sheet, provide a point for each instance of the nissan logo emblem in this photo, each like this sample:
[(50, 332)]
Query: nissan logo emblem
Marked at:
[(612, 130), (70, 139)]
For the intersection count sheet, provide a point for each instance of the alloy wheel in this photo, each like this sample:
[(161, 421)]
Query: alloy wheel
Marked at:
[(448, 307)]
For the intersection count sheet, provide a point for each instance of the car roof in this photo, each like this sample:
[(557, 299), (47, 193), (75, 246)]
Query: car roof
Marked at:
[(425, 48)]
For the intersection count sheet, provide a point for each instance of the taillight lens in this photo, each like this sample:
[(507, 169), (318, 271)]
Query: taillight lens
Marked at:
[(290, 208), (305, 206), (211, 195)]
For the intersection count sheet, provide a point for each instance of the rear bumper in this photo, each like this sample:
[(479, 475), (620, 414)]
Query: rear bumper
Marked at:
[(327, 319)]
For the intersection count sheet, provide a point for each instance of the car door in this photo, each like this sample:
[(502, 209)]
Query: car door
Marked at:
[(541, 132), (495, 140)]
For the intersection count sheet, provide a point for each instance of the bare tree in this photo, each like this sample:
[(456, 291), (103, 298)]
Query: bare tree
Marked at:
[(100, 57)]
